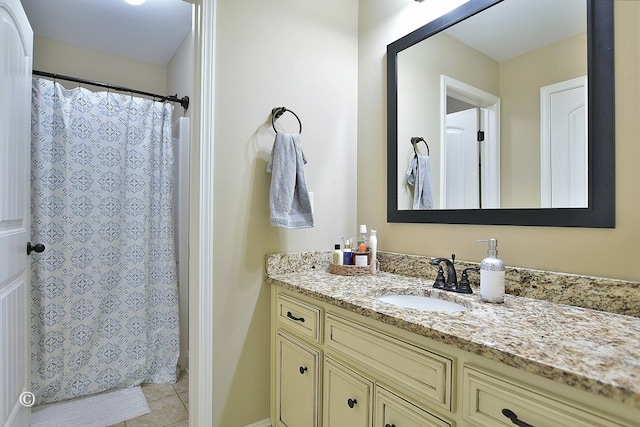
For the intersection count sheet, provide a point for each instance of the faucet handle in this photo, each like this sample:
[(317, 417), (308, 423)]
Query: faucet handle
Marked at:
[(439, 282), (464, 286)]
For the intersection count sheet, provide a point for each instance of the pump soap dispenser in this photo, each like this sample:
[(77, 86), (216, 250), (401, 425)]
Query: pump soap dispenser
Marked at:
[(492, 274)]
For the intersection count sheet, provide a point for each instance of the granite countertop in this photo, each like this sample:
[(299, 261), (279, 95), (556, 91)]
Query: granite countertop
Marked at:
[(588, 349)]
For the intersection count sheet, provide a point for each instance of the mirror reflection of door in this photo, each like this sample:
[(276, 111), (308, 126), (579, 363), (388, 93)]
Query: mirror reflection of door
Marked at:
[(563, 145), (470, 161), (461, 160)]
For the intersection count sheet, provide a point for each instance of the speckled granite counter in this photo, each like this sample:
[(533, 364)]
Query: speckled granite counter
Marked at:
[(612, 295), (592, 350)]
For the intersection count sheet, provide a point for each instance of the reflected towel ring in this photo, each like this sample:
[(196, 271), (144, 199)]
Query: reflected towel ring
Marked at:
[(414, 142), (279, 111)]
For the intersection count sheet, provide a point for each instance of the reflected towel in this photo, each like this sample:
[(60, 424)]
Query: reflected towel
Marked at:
[(289, 202), (419, 176)]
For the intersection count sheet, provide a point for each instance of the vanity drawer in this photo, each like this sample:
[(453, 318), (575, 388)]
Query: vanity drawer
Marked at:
[(491, 399), (299, 317), (417, 372)]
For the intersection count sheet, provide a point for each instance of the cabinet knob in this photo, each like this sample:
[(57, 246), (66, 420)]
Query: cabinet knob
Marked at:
[(303, 369), (389, 425), (351, 402), (514, 418)]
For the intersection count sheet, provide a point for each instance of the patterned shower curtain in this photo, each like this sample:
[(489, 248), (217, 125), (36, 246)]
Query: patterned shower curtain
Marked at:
[(105, 296)]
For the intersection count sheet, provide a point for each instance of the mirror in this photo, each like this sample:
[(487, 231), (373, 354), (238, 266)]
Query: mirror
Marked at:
[(442, 80)]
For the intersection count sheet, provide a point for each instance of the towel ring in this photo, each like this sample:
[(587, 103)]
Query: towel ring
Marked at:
[(415, 140), (279, 111)]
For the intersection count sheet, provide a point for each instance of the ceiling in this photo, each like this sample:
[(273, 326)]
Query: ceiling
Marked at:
[(514, 27), (151, 32)]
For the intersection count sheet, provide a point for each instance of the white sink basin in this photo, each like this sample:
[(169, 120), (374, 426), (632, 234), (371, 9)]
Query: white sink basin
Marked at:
[(422, 303)]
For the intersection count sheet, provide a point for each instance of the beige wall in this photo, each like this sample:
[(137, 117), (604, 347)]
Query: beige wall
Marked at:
[(180, 74), (61, 58), (301, 54), (600, 252)]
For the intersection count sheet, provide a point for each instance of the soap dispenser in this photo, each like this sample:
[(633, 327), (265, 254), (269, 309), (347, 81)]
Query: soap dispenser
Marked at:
[(492, 274)]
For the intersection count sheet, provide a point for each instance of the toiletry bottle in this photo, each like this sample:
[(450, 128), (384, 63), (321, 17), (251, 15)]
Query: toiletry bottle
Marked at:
[(336, 255), (362, 239), (492, 274), (360, 259), (373, 246), (347, 253)]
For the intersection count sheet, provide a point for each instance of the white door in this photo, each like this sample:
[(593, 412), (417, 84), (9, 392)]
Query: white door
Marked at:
[(564, 178), (461, 178), (16, 39)]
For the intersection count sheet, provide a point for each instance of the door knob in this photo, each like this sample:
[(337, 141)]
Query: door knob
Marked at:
[(38, 247)]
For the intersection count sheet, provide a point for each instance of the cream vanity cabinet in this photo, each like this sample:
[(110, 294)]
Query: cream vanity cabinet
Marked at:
[(334, 368), (298, 363), (332, 371)]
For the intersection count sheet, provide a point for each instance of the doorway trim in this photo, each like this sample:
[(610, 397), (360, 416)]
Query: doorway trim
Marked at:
[(490, 121), (201, 265)]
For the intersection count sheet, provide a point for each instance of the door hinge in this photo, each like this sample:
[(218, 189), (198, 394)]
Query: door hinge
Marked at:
[(480, 136)]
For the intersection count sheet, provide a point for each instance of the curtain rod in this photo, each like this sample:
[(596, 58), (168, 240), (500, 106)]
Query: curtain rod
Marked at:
[(184, 101)]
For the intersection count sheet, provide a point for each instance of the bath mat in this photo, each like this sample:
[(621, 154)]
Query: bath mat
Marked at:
[(102, 410)]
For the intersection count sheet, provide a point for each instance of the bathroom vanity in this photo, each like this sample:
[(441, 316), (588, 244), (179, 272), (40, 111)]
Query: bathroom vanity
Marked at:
[(342, 357)]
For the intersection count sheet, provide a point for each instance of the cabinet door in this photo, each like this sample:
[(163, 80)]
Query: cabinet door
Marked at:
[(348, 397), (297, 374), (393, 411)]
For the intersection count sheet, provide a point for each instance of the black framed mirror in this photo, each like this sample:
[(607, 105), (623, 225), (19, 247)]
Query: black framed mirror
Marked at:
[(598, 208)]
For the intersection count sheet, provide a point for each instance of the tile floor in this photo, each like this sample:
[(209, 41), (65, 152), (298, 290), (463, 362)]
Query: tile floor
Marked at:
[(169, 405)]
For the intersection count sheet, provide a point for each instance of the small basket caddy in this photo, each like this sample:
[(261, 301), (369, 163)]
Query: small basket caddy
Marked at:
[(353, 270)]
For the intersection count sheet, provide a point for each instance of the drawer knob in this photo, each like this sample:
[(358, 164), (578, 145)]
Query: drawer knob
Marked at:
[(351, 402), (389, 425), (292, 317), (514, 418), (303, 369)]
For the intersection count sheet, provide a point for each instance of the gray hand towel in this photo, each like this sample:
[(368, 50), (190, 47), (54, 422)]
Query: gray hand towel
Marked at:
[(419, 176), (288, 199)]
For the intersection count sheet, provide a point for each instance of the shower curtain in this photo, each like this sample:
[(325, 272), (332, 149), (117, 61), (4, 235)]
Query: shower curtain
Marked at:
[(104, 293)]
